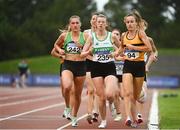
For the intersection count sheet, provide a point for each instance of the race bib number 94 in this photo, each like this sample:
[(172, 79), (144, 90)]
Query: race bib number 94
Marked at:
[(132, 54)]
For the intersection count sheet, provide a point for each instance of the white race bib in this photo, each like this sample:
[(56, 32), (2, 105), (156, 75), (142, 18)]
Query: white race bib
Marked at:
[(72, 48), (102, 55), (132, 54), (119, 67)]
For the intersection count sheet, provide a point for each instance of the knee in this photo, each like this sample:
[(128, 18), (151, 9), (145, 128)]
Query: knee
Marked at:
[(110, 96), (128, 94), (101, 96), (90, 91), (67, 89)]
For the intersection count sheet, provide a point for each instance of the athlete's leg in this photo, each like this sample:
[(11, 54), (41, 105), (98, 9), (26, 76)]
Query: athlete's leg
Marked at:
[(78, 87), (140, 106), (117, 102), (138, 82), (90, 91), (127, 81), (67, 83), (100, 91)]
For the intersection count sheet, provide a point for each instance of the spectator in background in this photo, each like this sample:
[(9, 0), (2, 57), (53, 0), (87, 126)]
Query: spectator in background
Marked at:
[(23, 73)]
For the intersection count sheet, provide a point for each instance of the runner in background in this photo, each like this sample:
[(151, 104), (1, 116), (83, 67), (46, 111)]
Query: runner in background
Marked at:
[(149, 59), (23, 73), (91, 91), (119, 62)]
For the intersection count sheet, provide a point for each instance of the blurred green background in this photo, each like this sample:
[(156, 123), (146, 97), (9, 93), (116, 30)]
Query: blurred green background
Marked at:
[(29, 28)]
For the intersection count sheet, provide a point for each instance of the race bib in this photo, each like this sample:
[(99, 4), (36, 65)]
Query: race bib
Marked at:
[(132, 54), (119, 67), (102, 55), (72, 48)]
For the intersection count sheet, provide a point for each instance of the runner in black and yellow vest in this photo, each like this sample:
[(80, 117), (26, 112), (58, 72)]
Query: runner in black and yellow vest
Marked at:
[(135, 43), (74, 66)]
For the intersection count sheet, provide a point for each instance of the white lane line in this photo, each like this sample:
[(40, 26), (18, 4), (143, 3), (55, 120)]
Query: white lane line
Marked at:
[(29, 100), (64, 126), (36, 110), (83, 116), (26, 95), (17, 91), (153, 116), (32, 111)]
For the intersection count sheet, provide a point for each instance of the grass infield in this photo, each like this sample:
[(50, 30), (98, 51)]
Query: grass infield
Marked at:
[(169, 109)]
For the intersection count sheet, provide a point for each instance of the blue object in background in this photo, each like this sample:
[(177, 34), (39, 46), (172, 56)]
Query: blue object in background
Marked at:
[(163, 82), (53, 80), (6, 79), (32, 80), (46, 80)]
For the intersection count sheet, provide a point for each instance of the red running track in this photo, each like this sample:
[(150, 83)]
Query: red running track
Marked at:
[(42, 108)]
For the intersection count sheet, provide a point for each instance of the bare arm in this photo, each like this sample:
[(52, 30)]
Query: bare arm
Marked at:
[(86, 49), (146, 41), (121, 47), (54, 53), (116, 40), (59, 43), (155, 51)]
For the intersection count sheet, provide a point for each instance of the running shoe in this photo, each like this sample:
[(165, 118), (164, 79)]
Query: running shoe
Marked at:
[(128, 122), (118, 117), (95, 117), (134, 124), (139, 119), (74, 122), (103, 124), (67, 113), (89, 119)]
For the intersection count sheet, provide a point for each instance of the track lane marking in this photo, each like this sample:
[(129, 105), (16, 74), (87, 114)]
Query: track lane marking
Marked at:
[(66, 125), (26, 95), (38, 109), (153, 116), (29, 101), (32, 111)]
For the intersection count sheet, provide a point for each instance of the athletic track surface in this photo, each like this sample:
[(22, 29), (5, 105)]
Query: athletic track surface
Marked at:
[(42, 108)]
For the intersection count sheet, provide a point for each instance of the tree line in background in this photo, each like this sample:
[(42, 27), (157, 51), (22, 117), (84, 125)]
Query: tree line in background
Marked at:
[(30, 27)]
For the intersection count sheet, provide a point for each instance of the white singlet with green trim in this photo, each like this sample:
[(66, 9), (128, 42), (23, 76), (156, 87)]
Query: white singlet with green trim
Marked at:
[(102, 49)]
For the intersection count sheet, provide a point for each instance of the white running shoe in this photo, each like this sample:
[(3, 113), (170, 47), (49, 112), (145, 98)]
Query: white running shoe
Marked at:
[(74, 122), (118, 117), (67, 113), (103, 124), (134, 124)]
